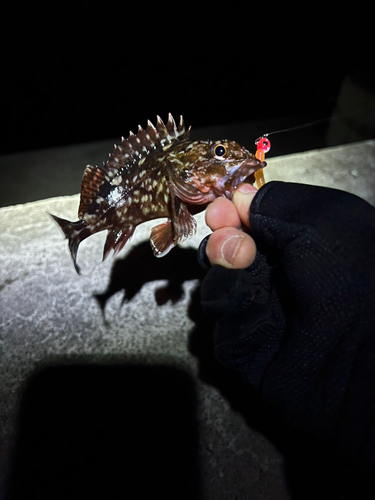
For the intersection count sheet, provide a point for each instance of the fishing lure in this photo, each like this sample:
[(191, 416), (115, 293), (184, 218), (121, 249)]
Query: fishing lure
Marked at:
[(157, 172), (263, 146)]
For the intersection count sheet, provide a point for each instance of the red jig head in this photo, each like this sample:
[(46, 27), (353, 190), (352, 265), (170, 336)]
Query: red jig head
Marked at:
[(263, 146)]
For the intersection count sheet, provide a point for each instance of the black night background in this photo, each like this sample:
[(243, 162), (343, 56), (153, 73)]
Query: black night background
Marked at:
[(88, 73)]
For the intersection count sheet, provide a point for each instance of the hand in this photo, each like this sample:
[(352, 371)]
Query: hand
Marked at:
[(298, 324), (229, 246)]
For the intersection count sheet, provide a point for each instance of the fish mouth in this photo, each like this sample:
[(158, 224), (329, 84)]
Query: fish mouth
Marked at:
[(245, 172)]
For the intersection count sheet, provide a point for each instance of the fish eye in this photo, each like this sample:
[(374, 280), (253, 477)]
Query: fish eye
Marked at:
[(218, 150)]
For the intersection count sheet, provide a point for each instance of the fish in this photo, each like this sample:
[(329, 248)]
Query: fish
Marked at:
[(156, 173)]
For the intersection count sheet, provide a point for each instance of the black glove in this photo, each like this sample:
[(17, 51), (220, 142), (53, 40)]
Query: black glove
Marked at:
[(299, 323)]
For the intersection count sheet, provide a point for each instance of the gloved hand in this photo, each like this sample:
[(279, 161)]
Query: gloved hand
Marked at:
[(299, 323)]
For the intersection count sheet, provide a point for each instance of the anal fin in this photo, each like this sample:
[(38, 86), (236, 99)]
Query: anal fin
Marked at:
[(116, 240)]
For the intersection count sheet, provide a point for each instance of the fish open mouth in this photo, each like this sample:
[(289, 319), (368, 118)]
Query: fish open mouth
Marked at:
[(245, 172)]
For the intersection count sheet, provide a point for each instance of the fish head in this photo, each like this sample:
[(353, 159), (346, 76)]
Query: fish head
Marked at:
[(217, 168)]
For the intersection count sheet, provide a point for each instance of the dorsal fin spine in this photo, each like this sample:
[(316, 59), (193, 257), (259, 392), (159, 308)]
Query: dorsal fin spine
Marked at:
[(181, 126), (171, 126)]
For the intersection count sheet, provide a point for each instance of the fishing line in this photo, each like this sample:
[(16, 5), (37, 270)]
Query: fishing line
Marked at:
[(342, 117), (297, 127)]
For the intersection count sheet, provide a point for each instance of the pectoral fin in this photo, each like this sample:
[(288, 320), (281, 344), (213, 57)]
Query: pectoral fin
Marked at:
[(162, 239), (185, 225)]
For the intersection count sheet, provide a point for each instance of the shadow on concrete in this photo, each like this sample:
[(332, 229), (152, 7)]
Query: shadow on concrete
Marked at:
[(107, 431), (140, 266)]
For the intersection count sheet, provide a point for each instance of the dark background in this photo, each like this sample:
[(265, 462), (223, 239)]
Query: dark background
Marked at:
[(88, 73)]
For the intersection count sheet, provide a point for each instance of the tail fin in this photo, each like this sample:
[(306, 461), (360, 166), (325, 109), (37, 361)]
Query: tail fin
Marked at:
[(75, 232)]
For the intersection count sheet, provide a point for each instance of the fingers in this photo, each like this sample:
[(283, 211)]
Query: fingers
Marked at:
[(242, 199), (222, 213), (231, 248), (228, 246)]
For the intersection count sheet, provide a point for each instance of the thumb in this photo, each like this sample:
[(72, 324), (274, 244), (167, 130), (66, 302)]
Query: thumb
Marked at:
[(242, 198)]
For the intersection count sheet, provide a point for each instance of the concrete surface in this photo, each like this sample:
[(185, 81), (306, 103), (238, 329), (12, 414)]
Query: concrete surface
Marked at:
[(49, 318)]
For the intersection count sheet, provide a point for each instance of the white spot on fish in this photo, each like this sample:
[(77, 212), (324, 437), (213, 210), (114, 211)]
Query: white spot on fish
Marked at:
[(135, 178), (145, 209), (144, 198), (154, 183), (117, 181), (166, 198), (89, 217), (115, 195)]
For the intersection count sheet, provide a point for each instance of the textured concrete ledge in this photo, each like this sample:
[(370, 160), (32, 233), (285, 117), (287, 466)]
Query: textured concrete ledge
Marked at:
[(49, 317), (350, 168)]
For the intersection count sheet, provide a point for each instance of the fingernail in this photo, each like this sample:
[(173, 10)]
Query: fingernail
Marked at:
[(247, 188), (230, 248)]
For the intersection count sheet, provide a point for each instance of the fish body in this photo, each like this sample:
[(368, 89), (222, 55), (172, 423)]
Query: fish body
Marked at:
[(155, 173)]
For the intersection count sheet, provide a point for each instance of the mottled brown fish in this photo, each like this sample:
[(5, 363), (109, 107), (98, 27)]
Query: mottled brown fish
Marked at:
[(158, 172)]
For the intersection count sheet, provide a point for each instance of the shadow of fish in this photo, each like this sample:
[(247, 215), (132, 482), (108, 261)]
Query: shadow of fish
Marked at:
[(157, 172), (129, 274)]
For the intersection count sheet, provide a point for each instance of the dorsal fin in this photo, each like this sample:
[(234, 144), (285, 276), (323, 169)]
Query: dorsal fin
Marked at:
[(139, 145), (128, 154)]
